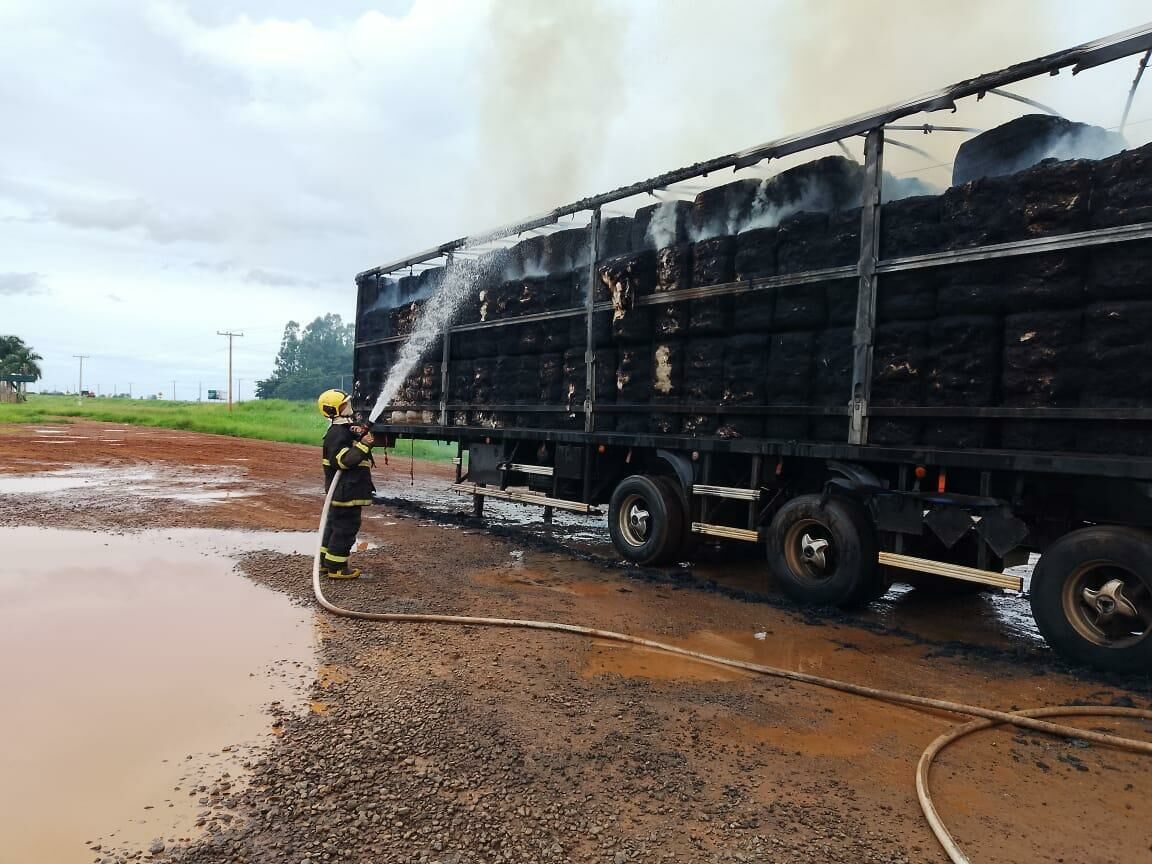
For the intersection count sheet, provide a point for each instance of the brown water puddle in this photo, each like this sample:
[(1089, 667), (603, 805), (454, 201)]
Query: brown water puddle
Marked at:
[(132, 665)]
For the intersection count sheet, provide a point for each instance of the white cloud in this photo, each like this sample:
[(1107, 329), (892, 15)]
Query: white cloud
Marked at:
[(12, 284)]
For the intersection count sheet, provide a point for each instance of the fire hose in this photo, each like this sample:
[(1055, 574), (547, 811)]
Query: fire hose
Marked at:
[(986, 718)]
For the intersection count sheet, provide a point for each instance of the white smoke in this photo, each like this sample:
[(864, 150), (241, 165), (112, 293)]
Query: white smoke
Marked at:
[(768, 213), (664, 227)]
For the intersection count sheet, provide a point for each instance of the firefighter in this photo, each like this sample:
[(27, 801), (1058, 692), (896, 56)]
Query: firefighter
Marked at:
[(347, 447)]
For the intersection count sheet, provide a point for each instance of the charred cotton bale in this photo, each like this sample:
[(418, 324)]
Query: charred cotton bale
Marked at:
[(566, 250), (554, 335), (832, 381), (1043, 368), (461, 381), (1122, 193), (551, 378), (674, 266), (818, 241), (523, 338), (712, 265), (1056, 280), (495, 299), (660, 225), (615, 237), (755, 259), (963, 370), (1121, 271), (840, 296), (756, 253), (722, 209), (483, 378), (898, 379), (601, 329), (526, 258), (376, 324), (673, 273), (1025, 141), (745, 384), (1118, 354), (1050, 198), (667, 385), (911, 226), (789, 382), (970, 289), (628, 278), (633, 386), (703, 383), (909, 296), (825, 185), (1118, 374), (713, 261)]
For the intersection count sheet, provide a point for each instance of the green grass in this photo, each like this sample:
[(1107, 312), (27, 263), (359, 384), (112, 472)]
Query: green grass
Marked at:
[(266, 419)]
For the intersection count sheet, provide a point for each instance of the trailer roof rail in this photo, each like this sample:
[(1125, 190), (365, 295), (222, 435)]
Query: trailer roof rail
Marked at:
[(1085, 56)]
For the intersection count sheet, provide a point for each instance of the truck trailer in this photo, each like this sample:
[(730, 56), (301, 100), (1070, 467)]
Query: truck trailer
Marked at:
[(876, 388)]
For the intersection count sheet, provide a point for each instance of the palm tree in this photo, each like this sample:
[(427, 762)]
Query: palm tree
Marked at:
[(16, 358)]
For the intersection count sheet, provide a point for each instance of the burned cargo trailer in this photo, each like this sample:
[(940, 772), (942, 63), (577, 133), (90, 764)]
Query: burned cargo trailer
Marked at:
[(925, 389)]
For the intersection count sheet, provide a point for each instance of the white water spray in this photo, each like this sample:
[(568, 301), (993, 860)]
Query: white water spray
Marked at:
[(434, 317)]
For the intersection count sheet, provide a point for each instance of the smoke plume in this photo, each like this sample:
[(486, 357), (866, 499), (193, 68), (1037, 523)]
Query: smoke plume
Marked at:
[(551, 84)]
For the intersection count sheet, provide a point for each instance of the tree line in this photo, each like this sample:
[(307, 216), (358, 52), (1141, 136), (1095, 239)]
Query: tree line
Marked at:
[(311, 359)]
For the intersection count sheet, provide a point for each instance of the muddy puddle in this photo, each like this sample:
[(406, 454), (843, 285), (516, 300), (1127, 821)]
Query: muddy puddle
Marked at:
[(135, 668), (190, 486)]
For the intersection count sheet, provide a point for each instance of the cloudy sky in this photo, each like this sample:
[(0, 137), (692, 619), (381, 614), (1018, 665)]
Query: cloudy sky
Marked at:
[(169, 169)]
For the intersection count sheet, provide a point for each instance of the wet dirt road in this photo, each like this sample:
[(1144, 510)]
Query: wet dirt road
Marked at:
[(426, 743)]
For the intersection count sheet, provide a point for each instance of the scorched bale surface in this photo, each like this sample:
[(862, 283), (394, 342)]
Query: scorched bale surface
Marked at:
[(963, 370), (722, 209), (1122, 193), (1021, 143), (756, 253), (830, 184), (615, 237), (898, 379), (910, 226)]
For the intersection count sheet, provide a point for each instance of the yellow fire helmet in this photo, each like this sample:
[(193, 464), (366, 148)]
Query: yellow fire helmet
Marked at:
[(330, 401)]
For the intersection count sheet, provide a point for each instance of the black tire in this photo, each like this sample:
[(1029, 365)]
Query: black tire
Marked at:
[(1091, 596), (689, 542), (824, 555), (646, 520)]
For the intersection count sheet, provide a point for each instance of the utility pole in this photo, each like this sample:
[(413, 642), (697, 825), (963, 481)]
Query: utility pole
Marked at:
[(199, 391), (239, 390), (129, 389), (230, 336), (173, 391), (80, 385)]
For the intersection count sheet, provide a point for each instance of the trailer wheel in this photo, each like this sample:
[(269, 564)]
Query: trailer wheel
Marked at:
[(824, 554), (646, 520), (689, 542), (1091, 596)]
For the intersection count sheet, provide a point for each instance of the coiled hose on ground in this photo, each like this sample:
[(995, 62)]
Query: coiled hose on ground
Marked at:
[(986, 717)]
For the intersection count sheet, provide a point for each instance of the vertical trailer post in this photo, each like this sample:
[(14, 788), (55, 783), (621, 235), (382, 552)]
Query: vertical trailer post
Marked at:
[(590, 350), (447, 337), (864, 335), (589, 305)]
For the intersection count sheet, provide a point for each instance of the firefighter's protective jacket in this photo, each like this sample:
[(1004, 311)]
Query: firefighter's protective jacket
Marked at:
[(345, 452)]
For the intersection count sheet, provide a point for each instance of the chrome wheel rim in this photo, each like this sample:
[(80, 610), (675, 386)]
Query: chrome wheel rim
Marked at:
[(1107, 604), (810, 552), (634, 520)]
